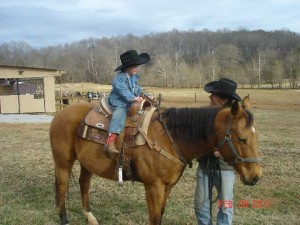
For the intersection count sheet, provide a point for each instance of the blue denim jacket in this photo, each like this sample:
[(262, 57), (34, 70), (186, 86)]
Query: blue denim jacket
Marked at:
[(124, 90)]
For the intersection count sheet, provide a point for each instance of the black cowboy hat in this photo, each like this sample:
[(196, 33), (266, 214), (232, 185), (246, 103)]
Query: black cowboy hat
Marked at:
[(223, 86), (132, 58)]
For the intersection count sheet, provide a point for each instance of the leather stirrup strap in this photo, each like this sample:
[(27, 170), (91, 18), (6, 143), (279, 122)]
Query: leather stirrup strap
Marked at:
[(160, 150)]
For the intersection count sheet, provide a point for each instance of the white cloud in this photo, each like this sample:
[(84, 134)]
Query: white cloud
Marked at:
[(50, 22)]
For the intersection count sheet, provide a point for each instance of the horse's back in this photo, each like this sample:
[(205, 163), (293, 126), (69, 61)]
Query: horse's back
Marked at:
[(63, 129), (72, 113)]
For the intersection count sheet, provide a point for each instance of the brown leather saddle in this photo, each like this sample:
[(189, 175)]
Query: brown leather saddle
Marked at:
[(94, 126)]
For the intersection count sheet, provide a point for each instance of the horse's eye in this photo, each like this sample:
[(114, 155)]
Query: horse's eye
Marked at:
[(242, 140)]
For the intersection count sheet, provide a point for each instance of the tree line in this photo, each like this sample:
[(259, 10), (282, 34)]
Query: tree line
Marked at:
[(178, 58)]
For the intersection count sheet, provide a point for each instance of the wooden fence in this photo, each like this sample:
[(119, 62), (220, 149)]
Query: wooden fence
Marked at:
[(162, 99)]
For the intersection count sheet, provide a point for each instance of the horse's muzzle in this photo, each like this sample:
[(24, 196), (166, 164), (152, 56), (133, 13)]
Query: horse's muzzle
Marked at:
[(250, 181)]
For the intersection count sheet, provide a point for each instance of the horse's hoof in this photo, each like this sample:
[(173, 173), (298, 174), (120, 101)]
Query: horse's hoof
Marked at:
[(93, 222), (65, 222), (90, 218)]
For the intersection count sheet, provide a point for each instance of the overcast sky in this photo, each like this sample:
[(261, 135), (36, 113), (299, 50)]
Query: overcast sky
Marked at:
[(42, 23)]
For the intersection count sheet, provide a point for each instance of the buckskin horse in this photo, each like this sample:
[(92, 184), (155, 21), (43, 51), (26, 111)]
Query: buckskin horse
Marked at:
[(182, 134)]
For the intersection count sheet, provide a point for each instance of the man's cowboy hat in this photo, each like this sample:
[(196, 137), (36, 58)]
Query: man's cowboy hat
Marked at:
[(132, 58), (223, 86)]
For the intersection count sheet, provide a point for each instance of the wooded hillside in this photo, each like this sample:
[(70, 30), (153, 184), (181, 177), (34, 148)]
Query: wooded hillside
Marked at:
[(178, 58)]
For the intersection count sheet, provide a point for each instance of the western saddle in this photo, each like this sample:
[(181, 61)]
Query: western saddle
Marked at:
[(94, 126)]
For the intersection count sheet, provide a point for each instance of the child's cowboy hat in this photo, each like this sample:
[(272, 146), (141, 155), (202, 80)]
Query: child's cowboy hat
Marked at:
[(132, 58)]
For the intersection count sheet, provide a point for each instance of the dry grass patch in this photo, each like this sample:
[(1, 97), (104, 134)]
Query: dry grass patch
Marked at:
[(27, 176)]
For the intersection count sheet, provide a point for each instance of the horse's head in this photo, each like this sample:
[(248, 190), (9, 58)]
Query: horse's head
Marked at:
[(238, 141)]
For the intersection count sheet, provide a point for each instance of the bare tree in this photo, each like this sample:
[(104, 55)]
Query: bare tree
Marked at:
[(293, 63), (162, 68)]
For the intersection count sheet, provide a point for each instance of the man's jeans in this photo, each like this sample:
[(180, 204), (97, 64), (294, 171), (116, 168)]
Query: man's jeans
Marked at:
[(225, 200), (118, 119)]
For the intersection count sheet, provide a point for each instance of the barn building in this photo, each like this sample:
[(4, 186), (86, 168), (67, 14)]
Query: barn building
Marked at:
[(27, 89)]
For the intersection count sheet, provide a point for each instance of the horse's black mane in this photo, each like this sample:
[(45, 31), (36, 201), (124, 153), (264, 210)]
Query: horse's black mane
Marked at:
[(191, 124)]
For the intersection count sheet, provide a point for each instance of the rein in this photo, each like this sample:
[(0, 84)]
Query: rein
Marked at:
[(212, 171), (237, 158), (160, 150), (172, 141), (153, 145)]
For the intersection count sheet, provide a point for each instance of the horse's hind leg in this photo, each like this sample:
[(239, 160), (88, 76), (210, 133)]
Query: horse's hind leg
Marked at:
[(62, 174), (85, 183)]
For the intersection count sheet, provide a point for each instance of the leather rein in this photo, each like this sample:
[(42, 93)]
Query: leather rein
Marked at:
[(153, 145)]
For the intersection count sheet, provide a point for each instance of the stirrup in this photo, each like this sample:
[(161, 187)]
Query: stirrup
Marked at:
[(120, 181)]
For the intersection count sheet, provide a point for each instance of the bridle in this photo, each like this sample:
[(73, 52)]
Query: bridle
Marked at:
[(237, 158)]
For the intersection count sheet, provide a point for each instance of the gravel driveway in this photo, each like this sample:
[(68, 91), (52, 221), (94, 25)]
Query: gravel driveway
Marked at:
[(25, 118)]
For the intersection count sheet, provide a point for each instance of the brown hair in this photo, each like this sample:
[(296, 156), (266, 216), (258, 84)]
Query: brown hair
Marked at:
[(224, 96)]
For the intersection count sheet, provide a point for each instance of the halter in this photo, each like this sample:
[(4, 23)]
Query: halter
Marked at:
[(237, 158)]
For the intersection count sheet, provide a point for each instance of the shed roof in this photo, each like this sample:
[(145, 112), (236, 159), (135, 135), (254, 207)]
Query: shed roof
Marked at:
[(27, 72)]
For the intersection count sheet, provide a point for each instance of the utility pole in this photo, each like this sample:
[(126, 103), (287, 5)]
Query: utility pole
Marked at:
[(259, 67), (116, 58), (213, 70)]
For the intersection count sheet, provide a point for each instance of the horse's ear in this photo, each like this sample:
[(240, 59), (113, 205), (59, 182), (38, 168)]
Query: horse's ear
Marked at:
[(235, 108), (246, 104)]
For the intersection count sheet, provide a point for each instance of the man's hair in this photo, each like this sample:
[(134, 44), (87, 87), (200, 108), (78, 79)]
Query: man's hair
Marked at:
[(224, 96)]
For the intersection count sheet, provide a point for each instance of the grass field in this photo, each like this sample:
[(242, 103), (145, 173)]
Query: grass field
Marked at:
[(27, 176)]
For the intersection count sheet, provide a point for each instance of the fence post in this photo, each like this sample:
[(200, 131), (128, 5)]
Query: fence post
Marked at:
[(159, 100)]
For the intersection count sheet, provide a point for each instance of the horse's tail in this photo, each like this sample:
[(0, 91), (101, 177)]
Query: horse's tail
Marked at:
[(56, 191)]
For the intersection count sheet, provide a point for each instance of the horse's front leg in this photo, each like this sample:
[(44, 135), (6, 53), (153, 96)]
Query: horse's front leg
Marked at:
[(156, 197), (85, 183), (164, 203)]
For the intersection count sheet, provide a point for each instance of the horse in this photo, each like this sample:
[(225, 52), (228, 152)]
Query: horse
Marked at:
[(177, 136)]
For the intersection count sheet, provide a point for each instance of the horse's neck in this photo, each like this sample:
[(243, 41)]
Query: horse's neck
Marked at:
[(198, 147), (194, 151)]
